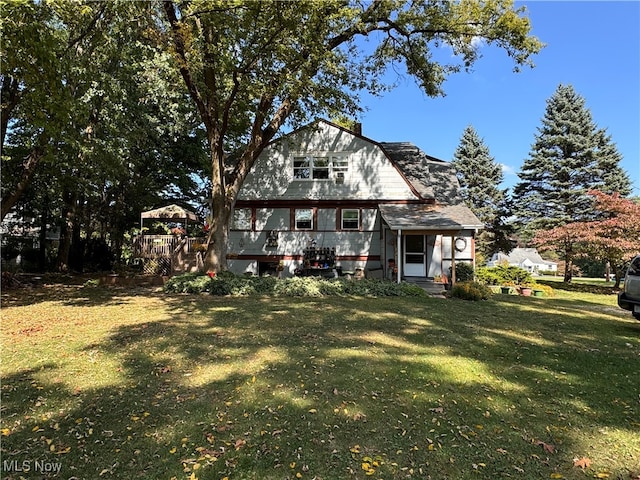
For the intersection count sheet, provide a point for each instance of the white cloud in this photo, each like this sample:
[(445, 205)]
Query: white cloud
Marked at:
[(508, 169)]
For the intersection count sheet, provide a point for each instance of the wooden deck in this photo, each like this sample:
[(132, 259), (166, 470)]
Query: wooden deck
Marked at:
[(168, 254), (154, 246)]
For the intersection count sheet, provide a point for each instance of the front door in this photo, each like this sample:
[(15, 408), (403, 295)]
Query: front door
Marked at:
[(414, 256)]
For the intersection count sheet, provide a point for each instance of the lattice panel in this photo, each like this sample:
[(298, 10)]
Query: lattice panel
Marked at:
[(157, 266)]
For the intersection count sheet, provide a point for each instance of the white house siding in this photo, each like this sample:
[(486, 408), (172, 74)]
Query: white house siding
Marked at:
[(438, 252), (372, 179), (445, 250), (371, 176), (353, 248)]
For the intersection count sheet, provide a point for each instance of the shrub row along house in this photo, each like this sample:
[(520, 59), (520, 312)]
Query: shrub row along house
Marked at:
[(324, 197)]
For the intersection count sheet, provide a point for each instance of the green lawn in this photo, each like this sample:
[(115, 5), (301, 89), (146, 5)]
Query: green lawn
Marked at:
[(117, 383)]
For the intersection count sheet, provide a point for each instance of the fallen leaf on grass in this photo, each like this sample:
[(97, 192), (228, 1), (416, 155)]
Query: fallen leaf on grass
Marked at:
[(547, 447), (583, 462)]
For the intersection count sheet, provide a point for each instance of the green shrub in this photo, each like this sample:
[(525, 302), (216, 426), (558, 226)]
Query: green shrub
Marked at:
[(546, 289), (187, 283), (503, 275), (471, 291), (229, 284), (298, 287), (464, 272)]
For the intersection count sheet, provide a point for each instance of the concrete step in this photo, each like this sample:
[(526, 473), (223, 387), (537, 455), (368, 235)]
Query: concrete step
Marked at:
[(427, 284)]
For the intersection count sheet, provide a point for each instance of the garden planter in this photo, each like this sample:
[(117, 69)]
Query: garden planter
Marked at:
[(538, 293), (505, 290), (526, 291)]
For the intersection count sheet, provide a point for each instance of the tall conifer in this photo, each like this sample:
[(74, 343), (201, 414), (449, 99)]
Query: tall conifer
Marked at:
[(480, 176), (569, 157)]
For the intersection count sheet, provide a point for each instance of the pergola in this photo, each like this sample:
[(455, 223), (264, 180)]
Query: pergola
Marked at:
[(173, 212)]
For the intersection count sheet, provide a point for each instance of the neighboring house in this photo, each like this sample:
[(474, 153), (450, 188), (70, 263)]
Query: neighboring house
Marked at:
[(326, 193), (527, 258)]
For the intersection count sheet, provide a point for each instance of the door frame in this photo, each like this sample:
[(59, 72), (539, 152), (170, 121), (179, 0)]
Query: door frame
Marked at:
[(414, 269)]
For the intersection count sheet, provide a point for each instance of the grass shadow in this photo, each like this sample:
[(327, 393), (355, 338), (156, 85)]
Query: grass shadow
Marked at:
[(336, 388)]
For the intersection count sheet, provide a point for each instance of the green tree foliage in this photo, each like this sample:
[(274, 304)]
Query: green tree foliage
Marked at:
[(480, 176), (251, 67), (117, 135), (570, 157)]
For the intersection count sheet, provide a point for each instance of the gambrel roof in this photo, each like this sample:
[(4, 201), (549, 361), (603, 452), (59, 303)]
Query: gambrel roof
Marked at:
[(437, 203)]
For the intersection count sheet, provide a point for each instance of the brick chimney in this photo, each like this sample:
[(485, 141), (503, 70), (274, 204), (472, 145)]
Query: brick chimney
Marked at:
[(357, 128)]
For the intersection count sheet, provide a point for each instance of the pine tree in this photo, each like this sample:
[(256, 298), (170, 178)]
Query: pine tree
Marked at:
[(479, 176), (570, 157), (611, 177)]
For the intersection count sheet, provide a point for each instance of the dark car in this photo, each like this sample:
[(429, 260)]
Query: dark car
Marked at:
[(629, 299)]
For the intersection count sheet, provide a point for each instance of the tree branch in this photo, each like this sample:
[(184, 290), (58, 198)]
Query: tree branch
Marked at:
[(179, 44), (29, 165)]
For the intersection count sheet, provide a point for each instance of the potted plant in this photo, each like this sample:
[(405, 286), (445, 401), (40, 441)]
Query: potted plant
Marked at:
[(526, 289)]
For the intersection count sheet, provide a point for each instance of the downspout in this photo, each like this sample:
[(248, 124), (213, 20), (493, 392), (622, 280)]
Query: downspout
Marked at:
[(453, 260), (398, 249), (473, 252)]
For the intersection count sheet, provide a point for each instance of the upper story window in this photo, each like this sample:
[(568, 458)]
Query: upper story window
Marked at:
[(320, 167)]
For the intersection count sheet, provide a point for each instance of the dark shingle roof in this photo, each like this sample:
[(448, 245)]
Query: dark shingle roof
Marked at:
[(429, 217), (431, 178)]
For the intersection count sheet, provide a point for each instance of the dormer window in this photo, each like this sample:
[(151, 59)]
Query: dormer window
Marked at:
[(320, 167)]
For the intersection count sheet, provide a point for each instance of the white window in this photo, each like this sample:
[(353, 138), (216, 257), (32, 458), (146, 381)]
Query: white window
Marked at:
[(350, 219), (304, 219), (302, 168), (241, 219), (320, 167)]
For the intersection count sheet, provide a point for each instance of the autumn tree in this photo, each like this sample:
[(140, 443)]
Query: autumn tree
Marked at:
[(251, 67), (480, 177), (570, 157), (612, 236)]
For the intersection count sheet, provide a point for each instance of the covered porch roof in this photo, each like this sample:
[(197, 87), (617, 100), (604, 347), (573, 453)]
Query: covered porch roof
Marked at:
[(170, 212), (431, 217)]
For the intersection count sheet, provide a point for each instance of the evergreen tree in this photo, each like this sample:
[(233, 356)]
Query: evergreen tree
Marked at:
[(479, 176), (570, 157)]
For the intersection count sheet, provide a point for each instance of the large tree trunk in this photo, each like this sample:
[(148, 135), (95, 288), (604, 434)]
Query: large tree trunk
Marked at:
[(568, 261), (568, 270), (221, 205), (28, 169), (44, 220), (215, 259), (66, 231)]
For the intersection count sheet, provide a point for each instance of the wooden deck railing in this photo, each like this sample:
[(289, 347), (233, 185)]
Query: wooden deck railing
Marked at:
[(156, 246)]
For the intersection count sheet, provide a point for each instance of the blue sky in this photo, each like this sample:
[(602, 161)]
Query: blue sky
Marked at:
[(594, 46)]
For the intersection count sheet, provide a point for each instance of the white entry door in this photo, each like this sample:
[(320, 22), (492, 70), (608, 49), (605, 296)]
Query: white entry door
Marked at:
[(414, 256)]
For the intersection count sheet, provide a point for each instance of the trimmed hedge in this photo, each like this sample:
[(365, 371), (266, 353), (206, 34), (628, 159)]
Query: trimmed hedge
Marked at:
[(503, 275), (227, 283)]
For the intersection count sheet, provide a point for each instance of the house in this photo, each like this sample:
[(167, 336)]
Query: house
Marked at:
[(324, 196), (526, 258)]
